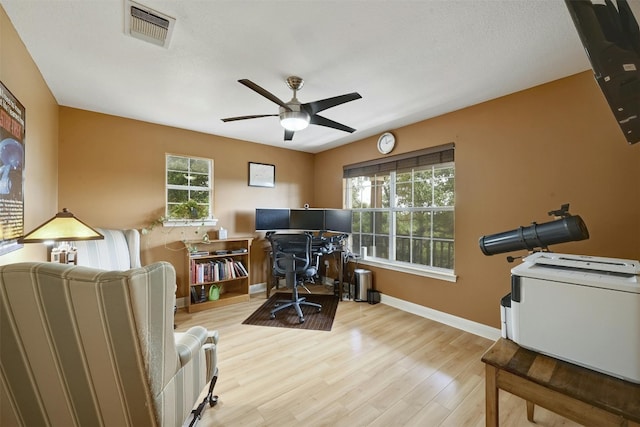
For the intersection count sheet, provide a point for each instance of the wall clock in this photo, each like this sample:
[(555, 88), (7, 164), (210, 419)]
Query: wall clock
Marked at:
[(386, 142)]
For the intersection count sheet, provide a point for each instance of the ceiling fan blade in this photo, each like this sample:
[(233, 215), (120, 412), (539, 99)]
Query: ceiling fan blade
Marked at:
[(262, 91), (232, 119), (288, 135), (323, 121), (321, 105)]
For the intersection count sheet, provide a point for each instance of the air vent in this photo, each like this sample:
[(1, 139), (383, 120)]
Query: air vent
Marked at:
[(147, 24)]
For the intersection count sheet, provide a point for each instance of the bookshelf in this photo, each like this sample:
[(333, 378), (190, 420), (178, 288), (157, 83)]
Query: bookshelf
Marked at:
[(224, 264)]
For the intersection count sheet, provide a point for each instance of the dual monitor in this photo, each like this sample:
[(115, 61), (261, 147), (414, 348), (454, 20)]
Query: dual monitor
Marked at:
[(336, 220)]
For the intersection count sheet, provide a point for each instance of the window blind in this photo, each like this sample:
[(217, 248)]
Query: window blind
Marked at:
[(425, 157)]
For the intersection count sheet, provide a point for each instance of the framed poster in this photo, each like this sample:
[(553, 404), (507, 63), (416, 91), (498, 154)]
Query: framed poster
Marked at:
[(12, 119), (262, 175)]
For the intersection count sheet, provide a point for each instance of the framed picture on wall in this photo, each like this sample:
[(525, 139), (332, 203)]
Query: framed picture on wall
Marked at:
[(262, 175), (12, 132)]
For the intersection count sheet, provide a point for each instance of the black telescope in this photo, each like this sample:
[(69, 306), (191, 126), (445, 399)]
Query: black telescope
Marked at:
[(570, 228)]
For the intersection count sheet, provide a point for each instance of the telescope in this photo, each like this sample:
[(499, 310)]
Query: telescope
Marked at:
[(568, 228)]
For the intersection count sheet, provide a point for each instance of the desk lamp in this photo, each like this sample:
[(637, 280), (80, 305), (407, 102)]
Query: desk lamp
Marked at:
[(63, 227)]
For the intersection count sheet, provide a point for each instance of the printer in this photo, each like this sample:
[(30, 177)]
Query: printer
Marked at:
[(581, 309)]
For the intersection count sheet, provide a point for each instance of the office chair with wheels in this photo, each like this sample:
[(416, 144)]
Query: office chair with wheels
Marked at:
[(292, 256)]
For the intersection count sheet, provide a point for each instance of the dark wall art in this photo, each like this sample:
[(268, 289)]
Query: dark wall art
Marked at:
[(12, 132)]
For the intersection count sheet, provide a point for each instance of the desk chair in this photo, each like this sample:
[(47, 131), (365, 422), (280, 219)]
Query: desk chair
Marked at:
[(311, 274), (292, 256)]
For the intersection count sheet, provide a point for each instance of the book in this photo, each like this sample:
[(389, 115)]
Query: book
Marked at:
[(198, 253), (243, 270)]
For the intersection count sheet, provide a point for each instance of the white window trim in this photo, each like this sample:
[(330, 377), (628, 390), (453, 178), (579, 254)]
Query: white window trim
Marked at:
[(432, 272), (199, 222), (404, 267), (208, 222), (391, 264)]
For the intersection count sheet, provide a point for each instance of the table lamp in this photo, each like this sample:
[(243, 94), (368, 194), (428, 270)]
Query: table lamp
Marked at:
[(64, 227)]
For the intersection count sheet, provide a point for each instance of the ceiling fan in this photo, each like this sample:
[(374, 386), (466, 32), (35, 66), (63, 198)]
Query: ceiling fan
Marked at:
[(295, 116)]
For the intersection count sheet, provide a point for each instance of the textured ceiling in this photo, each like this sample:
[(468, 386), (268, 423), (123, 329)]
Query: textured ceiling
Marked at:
[(410, 60)]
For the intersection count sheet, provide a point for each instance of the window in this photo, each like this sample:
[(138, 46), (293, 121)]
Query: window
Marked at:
[(189, 188), (403, 210)]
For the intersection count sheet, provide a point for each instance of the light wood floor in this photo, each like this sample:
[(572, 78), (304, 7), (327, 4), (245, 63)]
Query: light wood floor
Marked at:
[(378, 366)]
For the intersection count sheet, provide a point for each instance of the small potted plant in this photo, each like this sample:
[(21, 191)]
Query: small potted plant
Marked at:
[(187, 210)]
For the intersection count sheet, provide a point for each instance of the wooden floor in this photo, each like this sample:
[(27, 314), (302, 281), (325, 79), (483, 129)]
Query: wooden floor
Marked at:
[(378, 366)]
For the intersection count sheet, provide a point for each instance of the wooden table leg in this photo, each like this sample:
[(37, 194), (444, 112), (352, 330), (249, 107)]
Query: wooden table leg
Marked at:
[(530, 408), (491, 396)]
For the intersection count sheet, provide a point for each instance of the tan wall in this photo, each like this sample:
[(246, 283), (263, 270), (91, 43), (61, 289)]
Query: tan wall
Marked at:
[(517, 157), (21, 76), (112, 175)]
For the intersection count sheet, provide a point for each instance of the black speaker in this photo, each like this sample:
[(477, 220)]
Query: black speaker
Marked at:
[(373, 296)]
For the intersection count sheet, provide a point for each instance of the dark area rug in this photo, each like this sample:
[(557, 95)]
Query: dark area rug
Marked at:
[(287, 318)]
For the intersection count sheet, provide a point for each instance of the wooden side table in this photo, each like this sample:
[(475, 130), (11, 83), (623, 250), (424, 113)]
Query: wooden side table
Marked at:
[(580, 394)]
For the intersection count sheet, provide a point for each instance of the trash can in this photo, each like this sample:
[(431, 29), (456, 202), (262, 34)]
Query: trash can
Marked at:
[(363, 284)]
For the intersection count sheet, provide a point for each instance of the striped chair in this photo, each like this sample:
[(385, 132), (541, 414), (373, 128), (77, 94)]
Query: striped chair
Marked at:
[(88, 347), (120, 250)]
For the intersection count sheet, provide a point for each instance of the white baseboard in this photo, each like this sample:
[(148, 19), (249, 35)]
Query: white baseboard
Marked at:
[(419, 310), (257, 288), (442, 317)]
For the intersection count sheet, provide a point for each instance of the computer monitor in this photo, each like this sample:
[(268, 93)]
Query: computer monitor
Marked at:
[(306, 219), (337, 220), (272, 219)]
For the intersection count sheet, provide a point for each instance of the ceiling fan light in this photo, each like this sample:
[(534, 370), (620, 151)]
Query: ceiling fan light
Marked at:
[(294, 120)]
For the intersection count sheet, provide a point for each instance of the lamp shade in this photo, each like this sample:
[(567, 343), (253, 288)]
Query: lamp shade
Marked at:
[(64, 227), (294, 120)]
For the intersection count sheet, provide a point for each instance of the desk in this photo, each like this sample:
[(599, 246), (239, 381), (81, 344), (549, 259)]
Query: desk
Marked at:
[(582, 395)]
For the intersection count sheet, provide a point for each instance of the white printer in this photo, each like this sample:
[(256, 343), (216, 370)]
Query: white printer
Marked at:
[(582, 309)]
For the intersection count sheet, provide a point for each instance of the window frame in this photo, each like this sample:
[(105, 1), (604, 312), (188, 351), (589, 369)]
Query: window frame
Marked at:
[(441, 157), (209, 220)]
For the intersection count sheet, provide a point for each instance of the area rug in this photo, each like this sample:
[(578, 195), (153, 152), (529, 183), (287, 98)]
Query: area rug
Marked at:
[(287, 318)]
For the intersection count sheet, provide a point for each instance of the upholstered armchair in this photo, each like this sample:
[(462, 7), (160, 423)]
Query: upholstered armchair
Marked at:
[(86, 347), (120, 250)]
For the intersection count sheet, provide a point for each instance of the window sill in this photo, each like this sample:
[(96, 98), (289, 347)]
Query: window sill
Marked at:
[(190, 222), (432, 273)]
